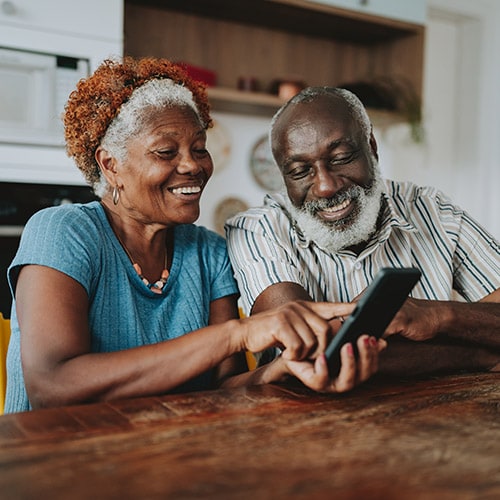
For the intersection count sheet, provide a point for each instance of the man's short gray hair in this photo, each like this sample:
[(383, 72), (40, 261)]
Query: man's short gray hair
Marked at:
[(356, 107)]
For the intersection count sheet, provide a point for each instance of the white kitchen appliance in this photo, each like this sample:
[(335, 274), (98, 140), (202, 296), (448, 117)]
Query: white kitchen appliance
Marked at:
[(34, 88)]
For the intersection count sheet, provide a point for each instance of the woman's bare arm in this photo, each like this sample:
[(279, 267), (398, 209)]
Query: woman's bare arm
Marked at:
[(60, 369)]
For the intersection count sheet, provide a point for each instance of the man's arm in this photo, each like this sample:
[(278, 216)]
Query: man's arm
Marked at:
[(404, 357), (279, 294), (442, 336)]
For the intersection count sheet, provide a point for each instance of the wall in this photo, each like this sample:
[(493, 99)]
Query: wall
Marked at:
[(234, 178), (461, 119), (461, 110)]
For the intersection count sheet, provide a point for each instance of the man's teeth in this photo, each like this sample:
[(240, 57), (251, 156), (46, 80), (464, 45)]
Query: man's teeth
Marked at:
[(187, 190), (336, 208)]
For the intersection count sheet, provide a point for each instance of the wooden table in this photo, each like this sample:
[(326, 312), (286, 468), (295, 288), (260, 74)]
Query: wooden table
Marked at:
[(422, 439)]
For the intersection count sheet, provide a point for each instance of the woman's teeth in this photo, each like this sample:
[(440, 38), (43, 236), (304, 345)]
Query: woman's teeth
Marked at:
[(337, 208), (186, 190)]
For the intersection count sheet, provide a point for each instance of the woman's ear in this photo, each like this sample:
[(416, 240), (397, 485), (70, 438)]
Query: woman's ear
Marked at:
[(107, 164)]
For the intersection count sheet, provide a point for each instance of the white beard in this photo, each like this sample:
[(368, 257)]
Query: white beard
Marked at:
[(335, 237)]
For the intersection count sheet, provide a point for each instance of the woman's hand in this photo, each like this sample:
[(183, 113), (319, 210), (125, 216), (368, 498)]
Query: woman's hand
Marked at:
[(301, 329), (315, 375)]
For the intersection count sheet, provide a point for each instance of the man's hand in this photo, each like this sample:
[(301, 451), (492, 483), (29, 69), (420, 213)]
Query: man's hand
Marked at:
[(418, 319)]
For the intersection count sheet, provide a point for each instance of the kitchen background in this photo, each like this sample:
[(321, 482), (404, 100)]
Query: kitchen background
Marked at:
[(447, 49)]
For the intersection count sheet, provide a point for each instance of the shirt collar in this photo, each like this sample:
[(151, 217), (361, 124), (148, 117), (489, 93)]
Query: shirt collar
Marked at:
[(279, 200), (393, 214)]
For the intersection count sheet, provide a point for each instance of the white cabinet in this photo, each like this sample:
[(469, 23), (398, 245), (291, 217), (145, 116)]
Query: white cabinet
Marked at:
[(412, 11), (88, 29), (91, 29), (89, 18)]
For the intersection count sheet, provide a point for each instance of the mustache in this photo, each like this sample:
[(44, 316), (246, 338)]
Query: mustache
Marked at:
[(350, 194)]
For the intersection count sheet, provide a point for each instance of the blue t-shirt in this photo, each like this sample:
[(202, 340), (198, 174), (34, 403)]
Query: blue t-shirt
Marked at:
[(123, 313)]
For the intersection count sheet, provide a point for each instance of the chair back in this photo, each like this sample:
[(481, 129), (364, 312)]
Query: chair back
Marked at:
[(4, 344), (251, 362)]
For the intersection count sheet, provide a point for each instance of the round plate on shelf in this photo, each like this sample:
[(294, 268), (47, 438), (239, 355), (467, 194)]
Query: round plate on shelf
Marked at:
[(225, 209), (263, 167), (219, 145)]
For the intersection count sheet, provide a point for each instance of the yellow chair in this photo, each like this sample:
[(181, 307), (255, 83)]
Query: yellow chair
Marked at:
[(4, 343), (251, 361)]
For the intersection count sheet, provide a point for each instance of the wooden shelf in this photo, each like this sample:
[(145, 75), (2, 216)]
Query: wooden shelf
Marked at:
[(270, 40), (237, 101), (262, 104), (383, 119), (295, 16)]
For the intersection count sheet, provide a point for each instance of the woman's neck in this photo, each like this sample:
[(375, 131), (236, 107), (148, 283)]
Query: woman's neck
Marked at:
[(147, 245)]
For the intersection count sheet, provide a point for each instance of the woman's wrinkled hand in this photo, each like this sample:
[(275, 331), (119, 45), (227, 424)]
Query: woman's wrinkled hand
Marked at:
[(315, 374), (300, 329)]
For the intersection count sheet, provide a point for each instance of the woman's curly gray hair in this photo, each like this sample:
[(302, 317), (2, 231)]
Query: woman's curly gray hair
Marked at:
[(155, 94), (113, 103)]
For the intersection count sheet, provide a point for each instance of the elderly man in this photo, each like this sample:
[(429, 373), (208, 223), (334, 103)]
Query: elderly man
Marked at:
[(339, 222)]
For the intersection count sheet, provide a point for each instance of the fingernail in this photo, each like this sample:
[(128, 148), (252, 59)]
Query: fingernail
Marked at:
[(373, 341), (350, 350), (366, 340)]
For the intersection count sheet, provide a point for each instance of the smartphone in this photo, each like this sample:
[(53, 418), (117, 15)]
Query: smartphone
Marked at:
[(374, 311)]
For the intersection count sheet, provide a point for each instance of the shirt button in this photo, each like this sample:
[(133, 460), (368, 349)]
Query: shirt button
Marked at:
[(357, 265)]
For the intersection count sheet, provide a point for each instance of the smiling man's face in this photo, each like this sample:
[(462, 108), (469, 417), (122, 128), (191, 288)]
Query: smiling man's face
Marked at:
[(330, 171)]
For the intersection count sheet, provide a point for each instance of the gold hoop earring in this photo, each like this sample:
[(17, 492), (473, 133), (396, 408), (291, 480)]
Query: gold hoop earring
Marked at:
[(116, 195)]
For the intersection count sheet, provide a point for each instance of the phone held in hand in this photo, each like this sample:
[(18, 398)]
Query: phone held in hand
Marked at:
[(374, 311)]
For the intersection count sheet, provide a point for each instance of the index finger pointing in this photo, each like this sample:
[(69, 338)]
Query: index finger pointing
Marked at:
[(331, 310)]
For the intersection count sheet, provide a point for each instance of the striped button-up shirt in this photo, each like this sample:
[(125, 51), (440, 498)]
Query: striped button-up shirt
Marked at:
[(419, 227)]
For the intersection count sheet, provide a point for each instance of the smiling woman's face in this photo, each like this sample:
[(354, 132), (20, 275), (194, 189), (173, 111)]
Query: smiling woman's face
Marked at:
[(166, 169)]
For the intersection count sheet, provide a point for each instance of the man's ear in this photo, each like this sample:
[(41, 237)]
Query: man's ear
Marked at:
[(107, 164), (373, 144)]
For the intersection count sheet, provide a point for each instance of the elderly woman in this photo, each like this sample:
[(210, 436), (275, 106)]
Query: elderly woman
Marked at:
[(125, 297)]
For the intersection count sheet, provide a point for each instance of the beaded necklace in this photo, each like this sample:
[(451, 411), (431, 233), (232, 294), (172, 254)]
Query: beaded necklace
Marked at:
[(158, 285)]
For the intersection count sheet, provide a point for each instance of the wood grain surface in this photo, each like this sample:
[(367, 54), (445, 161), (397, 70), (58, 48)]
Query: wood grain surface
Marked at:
[(389, 439)]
